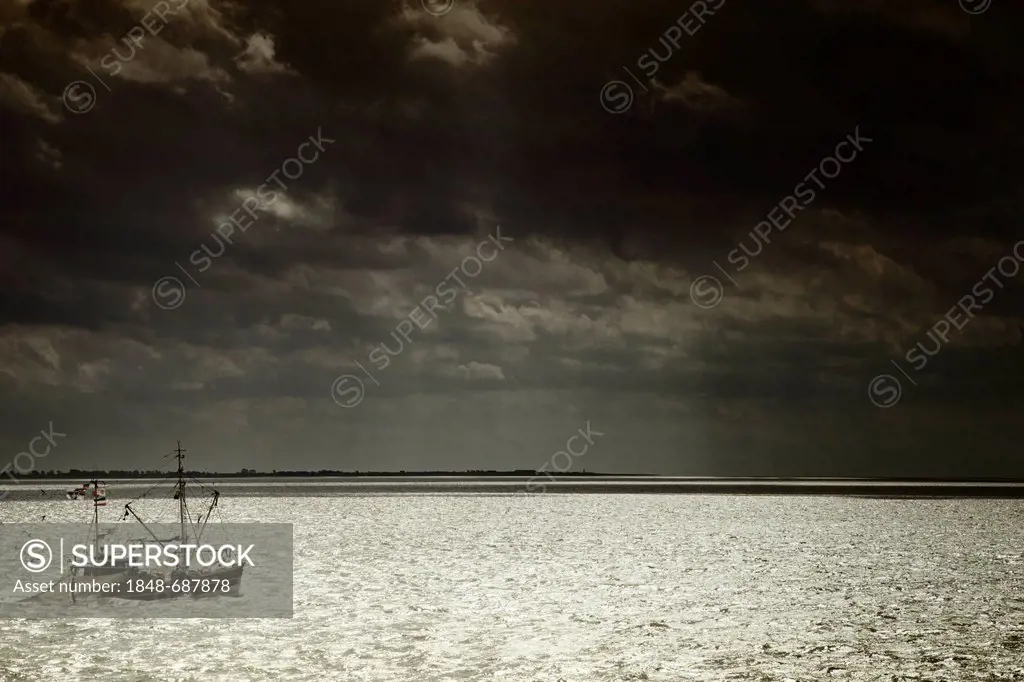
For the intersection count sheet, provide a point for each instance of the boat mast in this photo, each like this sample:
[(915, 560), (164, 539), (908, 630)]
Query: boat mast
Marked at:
[(181, 491), (96, 509)]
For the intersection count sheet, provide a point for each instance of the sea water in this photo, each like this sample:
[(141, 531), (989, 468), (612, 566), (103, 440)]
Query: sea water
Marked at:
[(588, 588)]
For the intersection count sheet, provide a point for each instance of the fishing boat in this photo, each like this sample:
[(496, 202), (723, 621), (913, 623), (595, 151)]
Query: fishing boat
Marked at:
[(97, 490), (115, 573), (89, 489), (172, 584)]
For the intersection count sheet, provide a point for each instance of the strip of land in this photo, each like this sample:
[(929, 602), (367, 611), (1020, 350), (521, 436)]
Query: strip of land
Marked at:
[(508, 484)]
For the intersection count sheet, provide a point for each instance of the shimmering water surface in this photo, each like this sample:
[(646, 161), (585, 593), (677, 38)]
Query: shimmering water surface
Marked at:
[(589, 588)]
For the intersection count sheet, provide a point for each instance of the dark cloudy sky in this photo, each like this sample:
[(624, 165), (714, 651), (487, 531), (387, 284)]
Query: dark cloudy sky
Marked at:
[(440, 124)]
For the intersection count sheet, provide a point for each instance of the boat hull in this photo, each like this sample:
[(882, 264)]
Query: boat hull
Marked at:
[(104, 571), (173, 585)]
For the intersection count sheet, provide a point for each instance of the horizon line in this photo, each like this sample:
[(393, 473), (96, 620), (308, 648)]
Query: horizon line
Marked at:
[(518, 473)]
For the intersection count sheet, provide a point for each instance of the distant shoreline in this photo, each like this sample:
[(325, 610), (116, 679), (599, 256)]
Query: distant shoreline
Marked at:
[(75, 475), (303, 484)]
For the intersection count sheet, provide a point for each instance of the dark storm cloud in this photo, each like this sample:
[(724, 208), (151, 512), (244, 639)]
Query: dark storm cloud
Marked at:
[(445, 128)]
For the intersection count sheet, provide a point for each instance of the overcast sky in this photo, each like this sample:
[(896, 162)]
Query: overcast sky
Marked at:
[(596, 163)]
